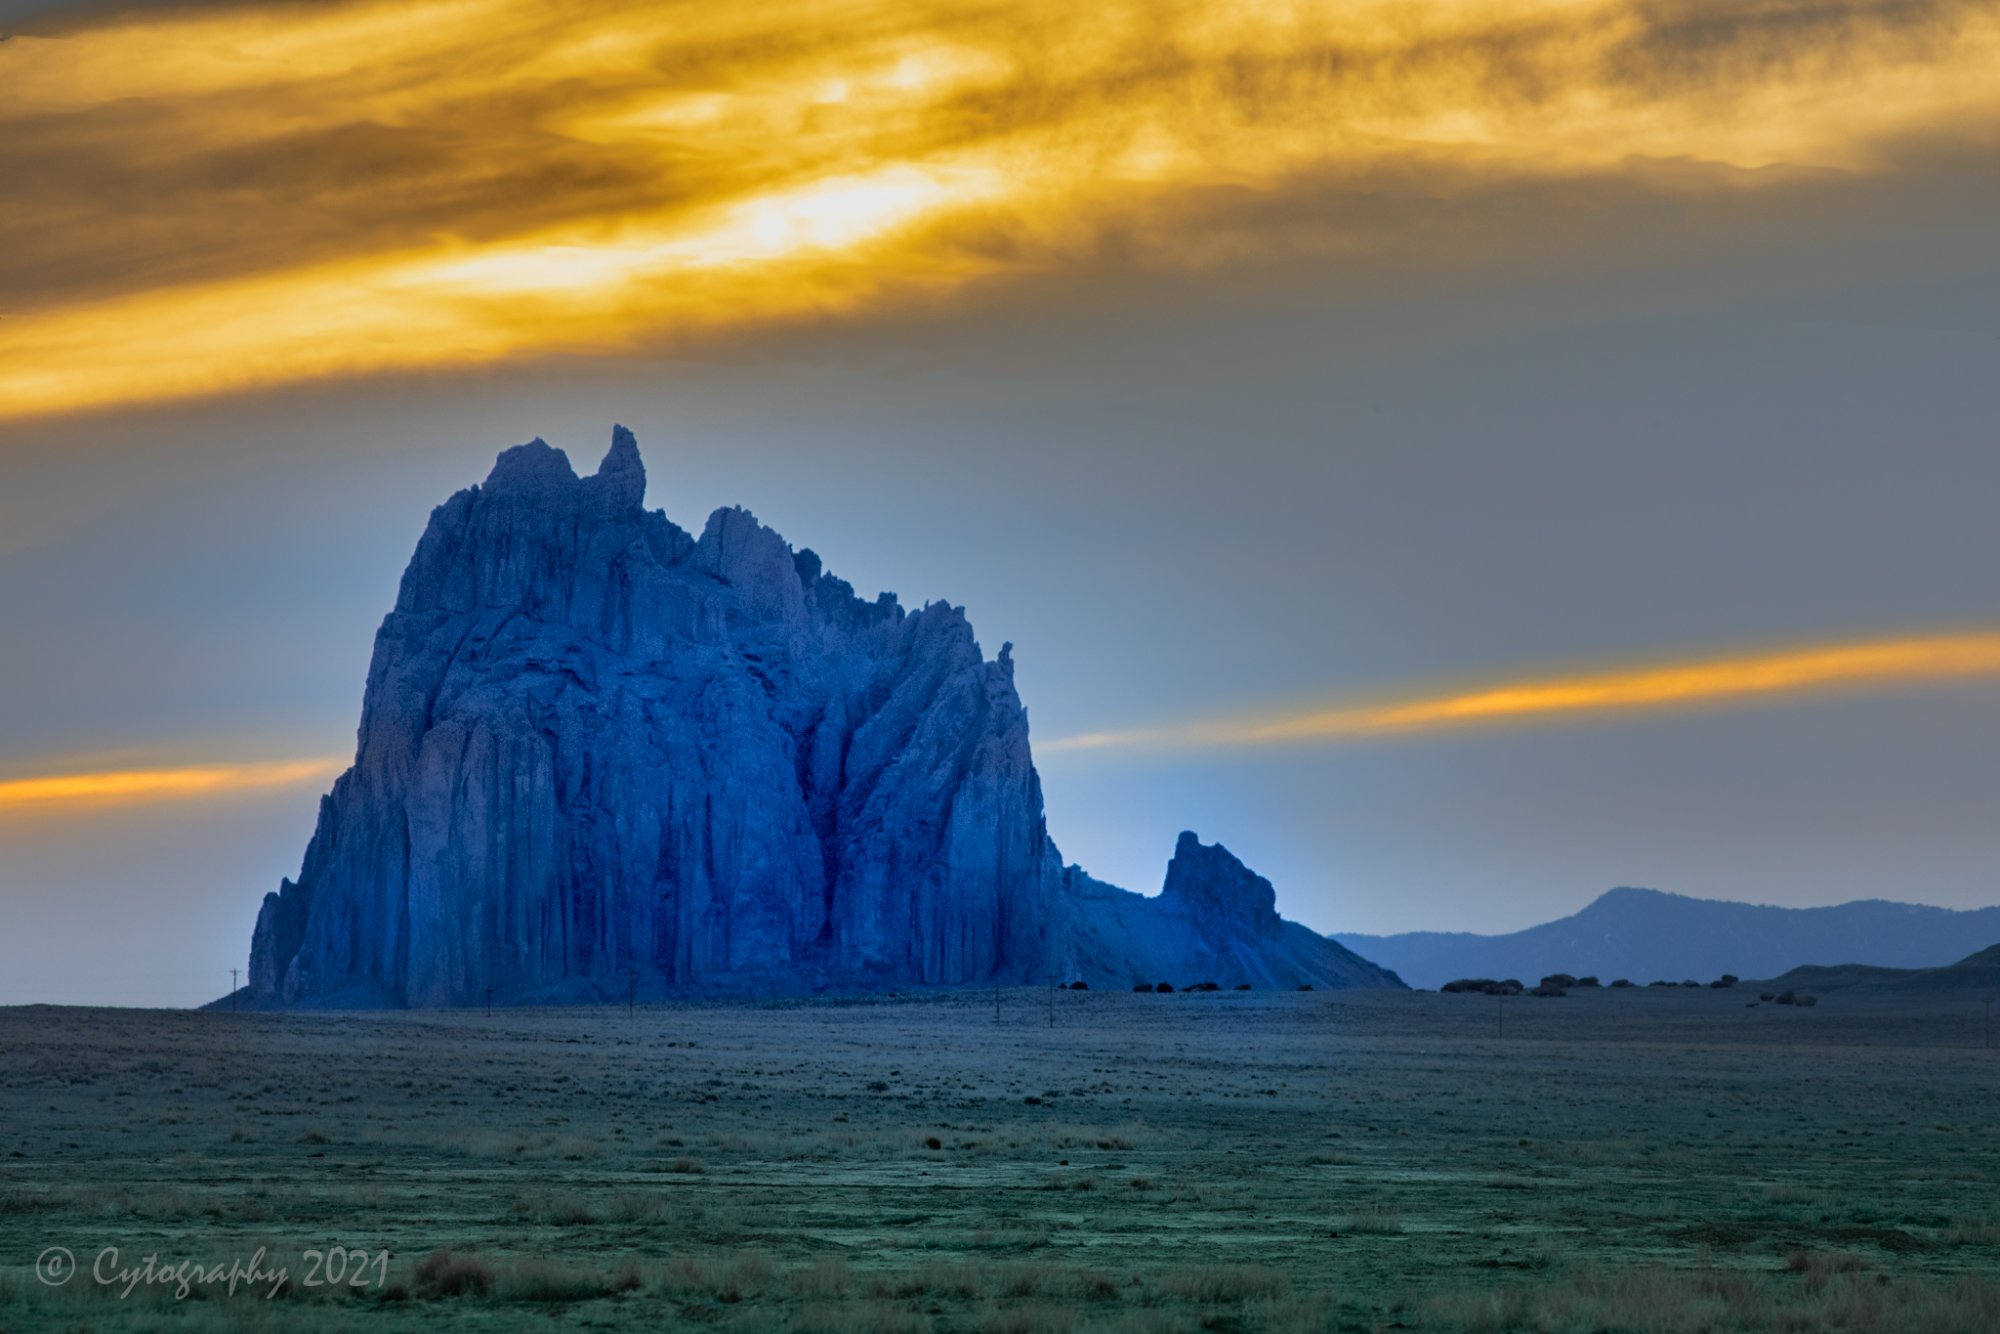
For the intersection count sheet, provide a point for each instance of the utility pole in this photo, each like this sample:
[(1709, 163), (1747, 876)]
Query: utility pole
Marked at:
[(234, 971), (489, 1002), (632, 995)]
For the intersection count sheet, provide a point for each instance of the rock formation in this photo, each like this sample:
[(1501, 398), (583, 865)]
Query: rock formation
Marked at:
[(599, 757), (1216, 920)]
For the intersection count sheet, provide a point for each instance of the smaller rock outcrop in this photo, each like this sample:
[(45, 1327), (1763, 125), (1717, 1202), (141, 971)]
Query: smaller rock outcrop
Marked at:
[(1214, 918)]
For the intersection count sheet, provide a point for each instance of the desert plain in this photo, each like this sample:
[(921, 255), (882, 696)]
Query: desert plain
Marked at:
[(1654, 1159)]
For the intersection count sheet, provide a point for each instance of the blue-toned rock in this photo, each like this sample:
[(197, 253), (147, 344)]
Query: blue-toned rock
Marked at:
[(600, 757)]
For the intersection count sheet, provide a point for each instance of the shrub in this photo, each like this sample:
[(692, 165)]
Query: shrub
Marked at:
[(1787, 997), (1484, 986), (1767, 995), (1305, 986), (1587, 981), (442, 1274), (1164, 988), (1723, 983), (1559, 980), (1546, 990), (1243, 986), (1079, 985), (571, 1211), (1142, 986), (1622, 982), (1806, 1000)]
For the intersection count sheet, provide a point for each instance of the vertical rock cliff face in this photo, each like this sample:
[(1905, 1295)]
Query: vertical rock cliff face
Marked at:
[(597, 753), (599, 756)]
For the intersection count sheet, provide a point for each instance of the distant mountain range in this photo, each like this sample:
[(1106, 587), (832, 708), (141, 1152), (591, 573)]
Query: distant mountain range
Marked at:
[(1978, 972), (1645, 934)]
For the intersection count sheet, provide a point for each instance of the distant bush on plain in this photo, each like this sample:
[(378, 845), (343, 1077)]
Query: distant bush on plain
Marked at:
[(1484, 986)]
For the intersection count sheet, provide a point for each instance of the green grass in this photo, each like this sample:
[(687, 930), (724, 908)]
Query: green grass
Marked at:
[(1634, 1160)]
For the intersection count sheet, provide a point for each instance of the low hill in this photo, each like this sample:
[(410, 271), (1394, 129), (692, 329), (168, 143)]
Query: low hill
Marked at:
[(1977, 972)]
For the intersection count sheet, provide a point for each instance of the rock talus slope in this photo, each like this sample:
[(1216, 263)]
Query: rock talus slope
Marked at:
[(600, 756)]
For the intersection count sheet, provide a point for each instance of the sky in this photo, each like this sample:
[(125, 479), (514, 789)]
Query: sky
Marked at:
[(1461, 457)]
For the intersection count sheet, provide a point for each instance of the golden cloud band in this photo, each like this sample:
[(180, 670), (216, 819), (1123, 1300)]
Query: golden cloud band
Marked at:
[(1716, 682), (226, 199)]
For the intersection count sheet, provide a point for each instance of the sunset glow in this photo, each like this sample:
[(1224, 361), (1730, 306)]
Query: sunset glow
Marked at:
[(335, 190), (134, 786), (1711, 683)]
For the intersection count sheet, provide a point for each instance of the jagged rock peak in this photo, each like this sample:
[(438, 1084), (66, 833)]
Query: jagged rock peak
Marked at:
[(533, 470), (621, 477), (1208, 878), (740, 551)]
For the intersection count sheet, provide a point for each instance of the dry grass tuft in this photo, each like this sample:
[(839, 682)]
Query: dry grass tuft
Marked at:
[(1210, 1284), (1373, 1221), (823, 1278), (446, 1274), (551, 1281)]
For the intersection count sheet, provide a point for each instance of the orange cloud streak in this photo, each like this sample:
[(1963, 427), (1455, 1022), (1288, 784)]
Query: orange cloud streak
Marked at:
[(212, 200), (132, 786), (1877, 664)]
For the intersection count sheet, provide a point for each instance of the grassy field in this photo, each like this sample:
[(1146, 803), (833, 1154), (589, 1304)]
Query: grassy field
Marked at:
[(1657, 1160)]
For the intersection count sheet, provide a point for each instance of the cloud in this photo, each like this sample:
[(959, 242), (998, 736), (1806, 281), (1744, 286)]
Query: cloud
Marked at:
[(1707, 683), (214, 198), (127, 787)]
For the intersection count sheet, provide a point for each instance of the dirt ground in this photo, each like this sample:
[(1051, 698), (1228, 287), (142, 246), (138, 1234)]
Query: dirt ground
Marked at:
[(1655, 1159)]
